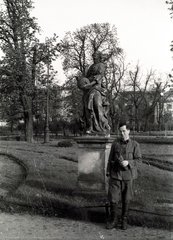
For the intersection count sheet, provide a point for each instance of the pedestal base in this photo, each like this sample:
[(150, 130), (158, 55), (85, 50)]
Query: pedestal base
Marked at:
[(93, 153)]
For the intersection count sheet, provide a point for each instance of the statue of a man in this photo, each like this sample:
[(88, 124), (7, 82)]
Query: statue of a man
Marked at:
[(94, 97)]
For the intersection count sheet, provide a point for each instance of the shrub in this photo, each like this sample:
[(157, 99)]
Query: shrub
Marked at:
[(65, 144)]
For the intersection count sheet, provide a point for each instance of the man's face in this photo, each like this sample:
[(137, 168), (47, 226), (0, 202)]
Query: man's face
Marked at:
[(124, 132)]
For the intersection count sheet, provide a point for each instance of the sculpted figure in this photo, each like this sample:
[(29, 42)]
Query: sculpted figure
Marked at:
[(94, 97)]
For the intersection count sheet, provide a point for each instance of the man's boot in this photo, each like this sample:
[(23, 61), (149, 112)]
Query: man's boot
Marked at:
[(125, 212), (113, 221)]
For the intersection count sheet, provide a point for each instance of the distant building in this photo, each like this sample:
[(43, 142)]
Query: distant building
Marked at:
[(145, 110), (164, 107), (168, 107)]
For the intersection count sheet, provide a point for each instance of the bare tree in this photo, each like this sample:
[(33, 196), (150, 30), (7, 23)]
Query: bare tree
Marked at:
[(138, 85), (79, 46), (116, 70)]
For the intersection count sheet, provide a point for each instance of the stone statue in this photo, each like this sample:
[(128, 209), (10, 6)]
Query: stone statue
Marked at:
[(95, 106)]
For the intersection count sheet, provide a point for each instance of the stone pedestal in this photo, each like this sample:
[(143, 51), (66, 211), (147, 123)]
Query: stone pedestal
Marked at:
[(93, 153)]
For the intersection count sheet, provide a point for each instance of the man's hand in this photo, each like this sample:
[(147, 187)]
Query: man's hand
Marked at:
[(124, 163)]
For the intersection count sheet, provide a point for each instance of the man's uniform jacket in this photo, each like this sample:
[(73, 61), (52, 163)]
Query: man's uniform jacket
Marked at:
[(119, 152)]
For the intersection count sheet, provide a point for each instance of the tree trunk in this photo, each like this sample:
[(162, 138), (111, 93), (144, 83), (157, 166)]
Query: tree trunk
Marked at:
[(113, 123), (146, 124), (136, 119), (11, 126), (28, 118), (29, 127)]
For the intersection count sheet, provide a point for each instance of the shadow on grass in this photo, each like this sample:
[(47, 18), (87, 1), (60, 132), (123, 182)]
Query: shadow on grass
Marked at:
[(62, 207), (165, 165), (92, 214), (64, 204), (50, 186)]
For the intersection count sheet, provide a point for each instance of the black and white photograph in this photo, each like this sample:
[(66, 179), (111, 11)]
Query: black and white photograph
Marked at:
[(86, 119)]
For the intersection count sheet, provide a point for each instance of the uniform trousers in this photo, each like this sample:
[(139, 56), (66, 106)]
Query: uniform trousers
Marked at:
[(120, 189)]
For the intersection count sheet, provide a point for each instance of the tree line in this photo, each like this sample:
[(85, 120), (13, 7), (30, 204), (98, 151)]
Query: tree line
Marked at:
[(27, 73)]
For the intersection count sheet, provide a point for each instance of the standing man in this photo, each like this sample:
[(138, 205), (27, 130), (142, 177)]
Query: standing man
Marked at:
[(124, 156)]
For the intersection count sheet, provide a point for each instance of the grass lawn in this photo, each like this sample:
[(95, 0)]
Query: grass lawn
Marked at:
[(52, 176)]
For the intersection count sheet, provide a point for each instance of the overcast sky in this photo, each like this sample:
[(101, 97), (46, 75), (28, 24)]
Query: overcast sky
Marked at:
[(144, 27)]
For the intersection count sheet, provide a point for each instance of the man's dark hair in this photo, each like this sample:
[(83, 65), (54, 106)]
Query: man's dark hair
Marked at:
[(124, 124)]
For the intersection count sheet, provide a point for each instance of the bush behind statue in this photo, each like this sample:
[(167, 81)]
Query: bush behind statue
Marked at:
[(64, 144)]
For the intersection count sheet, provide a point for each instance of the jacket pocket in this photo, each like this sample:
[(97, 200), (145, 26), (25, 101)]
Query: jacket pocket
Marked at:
[(115, 166), (134, 173)]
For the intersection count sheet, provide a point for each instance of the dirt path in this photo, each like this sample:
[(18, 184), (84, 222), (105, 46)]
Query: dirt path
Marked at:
[(33, 227)]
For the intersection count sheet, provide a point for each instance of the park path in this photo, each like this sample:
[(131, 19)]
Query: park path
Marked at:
[(34, 227)]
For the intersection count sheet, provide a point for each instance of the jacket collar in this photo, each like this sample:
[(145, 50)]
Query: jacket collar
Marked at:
[(124, 141)]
